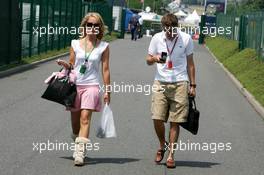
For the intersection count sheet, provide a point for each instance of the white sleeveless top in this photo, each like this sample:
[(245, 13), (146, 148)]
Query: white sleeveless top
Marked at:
[(91, 75)]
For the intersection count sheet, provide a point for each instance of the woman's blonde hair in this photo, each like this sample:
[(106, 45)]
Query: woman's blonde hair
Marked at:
[(99, 19)]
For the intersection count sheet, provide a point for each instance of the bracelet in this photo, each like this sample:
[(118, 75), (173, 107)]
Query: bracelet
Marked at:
[(71, 66), (193, 85)]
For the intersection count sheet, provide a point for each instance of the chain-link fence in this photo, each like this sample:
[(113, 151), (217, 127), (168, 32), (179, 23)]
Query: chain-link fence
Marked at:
[(52, 24), (45, 23), (248, 29), (31, 27), (231, 21), (10, 32)]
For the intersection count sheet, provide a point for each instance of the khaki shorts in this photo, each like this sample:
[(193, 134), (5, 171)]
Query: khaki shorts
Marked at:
[(170, 101)]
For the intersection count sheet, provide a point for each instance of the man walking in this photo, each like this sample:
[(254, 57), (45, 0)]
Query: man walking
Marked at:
[(133, 27), (172, 51)]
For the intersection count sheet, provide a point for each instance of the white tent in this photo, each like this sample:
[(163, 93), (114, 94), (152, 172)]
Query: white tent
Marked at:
[(180, 13), (149, 16), (195, 14), (193, 18)]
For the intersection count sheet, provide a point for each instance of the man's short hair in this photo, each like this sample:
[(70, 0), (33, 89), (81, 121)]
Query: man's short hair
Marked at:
[(169, 20)]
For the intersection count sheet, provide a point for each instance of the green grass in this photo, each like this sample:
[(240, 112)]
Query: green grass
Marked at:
[(243, 65), (222, 48), (46, 55), (34, 58), (112, 37)]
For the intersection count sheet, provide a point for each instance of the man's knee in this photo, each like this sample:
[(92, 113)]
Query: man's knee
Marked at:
[(158, 122), (174, 125)]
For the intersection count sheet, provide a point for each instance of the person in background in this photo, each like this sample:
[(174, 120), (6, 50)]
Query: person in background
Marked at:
[(133, 27)]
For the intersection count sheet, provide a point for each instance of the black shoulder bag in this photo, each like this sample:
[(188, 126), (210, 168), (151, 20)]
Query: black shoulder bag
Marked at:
[(61, 91), (192, 123)]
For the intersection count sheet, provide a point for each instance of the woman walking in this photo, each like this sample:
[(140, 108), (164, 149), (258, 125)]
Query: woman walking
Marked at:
[(86, 55)]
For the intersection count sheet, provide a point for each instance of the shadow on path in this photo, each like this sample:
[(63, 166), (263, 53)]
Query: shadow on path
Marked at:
[(102, 160), (194, 164)]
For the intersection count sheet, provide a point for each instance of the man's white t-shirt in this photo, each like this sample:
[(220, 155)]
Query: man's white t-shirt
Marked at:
[(183, 48)]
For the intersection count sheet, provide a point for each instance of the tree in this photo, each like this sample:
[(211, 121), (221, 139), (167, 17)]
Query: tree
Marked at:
[(255, 4), (245, 6)]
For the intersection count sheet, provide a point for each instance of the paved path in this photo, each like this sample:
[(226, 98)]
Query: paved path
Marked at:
[(226, 117)]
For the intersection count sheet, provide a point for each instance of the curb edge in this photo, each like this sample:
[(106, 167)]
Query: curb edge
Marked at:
[(250, 98), (25, 67)]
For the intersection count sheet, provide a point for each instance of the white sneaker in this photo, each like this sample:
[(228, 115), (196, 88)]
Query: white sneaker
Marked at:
[(80, 150)]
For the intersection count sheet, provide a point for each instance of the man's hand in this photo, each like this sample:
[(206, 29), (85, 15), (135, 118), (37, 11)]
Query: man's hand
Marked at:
[(156, 58), (151, 59), (192, 91)]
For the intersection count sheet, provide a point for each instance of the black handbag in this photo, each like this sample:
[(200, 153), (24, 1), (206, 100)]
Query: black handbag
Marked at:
[(192, 123), (61, 91)]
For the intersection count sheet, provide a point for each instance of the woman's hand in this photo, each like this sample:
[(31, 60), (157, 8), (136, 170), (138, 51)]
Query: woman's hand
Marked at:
[(63, 63), (107, 98)]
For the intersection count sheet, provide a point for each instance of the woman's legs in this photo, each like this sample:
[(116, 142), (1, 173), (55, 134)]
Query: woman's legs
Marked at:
[(75, 121), (82, 139), (85, 120)]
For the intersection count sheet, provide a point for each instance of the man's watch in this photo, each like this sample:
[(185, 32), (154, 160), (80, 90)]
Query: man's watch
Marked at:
[(193, 85)]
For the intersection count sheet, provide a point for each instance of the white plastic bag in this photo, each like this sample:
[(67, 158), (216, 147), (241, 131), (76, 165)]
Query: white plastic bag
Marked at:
[(106, 126)]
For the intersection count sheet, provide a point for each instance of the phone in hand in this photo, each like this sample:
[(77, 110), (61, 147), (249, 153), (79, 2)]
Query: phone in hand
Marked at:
[(163, 57)]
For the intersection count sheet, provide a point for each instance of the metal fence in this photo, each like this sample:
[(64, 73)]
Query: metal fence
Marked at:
[(153, 27), (52, 24), (192, 2), (10, 32), (248, 29)]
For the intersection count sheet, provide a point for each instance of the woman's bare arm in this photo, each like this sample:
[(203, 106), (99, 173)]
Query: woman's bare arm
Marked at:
[(106, 73)]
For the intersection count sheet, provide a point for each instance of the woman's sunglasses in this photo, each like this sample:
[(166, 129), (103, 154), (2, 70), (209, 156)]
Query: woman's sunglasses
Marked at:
[(89, 24)]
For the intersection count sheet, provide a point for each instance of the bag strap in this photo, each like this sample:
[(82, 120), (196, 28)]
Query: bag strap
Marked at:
[(193, 101), (69, 71)]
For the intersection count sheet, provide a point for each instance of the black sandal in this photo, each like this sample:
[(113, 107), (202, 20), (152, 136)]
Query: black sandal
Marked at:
[(161, 153)]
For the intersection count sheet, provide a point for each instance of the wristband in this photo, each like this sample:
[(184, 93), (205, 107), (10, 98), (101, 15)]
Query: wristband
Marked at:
[(193, 85)]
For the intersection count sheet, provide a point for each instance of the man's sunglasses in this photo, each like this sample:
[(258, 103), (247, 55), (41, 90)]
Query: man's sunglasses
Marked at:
[(89, 24)]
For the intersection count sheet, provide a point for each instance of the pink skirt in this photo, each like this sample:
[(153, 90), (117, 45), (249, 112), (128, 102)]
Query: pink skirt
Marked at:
[(87, 97)]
